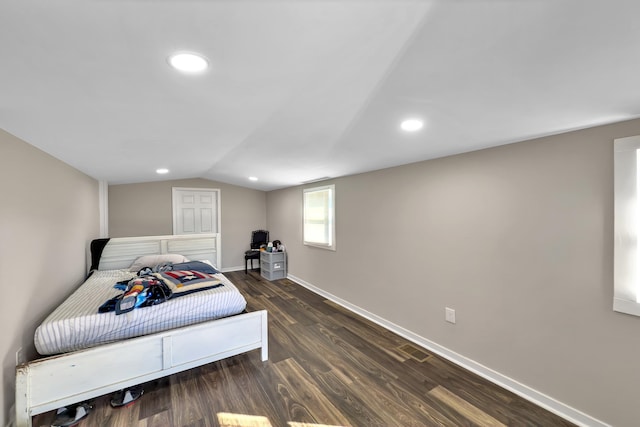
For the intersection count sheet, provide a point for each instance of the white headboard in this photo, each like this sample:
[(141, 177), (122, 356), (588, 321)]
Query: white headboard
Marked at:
[(120, 252)]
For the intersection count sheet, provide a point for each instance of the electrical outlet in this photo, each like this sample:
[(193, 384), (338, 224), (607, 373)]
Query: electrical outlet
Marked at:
[(449, 315), (19, 357)]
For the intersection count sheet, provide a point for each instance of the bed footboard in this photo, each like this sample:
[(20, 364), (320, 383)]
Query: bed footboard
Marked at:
[(57, 381)]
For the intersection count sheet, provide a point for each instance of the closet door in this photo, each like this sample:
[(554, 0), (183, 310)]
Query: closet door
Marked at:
[(196, 210)]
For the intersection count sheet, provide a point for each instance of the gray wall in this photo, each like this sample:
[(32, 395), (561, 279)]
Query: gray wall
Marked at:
[(145, 210), (48, 215), (517, 239)]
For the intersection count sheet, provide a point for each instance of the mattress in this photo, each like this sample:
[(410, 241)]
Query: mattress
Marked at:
[(76, 323)]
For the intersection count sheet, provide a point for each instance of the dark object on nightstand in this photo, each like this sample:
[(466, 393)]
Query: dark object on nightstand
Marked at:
[(258, 238)]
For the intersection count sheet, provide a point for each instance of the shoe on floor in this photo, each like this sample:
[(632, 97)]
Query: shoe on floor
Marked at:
[(68, 416), (126, 397)]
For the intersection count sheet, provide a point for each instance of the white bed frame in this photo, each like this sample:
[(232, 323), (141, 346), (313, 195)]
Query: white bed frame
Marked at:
[(122, 251), (56, 381)]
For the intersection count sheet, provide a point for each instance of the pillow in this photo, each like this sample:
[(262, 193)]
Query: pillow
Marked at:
[(153, 260), (203, 267)]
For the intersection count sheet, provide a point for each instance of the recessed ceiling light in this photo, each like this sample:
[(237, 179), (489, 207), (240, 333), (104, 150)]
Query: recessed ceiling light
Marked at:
[(162, 171), (411, 125), (253, 178), (188, 62)]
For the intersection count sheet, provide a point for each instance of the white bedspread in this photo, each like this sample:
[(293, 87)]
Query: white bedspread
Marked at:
[(76, 323)]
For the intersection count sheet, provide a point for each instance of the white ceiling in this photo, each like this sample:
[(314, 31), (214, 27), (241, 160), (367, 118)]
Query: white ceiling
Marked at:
[(305, 89)]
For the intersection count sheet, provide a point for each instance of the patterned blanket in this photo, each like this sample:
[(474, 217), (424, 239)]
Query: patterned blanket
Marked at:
[(186, 281), (156, 288)]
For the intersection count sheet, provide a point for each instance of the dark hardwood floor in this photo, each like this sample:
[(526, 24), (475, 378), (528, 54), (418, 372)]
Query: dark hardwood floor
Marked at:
[(327, 367)]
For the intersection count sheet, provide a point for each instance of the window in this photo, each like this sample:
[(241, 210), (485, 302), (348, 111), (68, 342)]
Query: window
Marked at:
[(318, 217), (626, 295)]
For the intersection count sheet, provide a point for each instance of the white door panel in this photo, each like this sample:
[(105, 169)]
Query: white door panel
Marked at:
[(188, 221), (206, 220)]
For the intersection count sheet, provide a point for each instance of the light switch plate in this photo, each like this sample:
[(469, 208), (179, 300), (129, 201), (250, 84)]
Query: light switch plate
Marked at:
[(450, 315)]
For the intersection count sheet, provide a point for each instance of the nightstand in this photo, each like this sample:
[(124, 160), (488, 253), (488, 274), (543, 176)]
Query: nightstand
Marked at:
[(273, 265)]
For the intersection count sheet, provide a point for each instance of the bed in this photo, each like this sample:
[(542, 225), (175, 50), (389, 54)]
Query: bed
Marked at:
[(107, 364)]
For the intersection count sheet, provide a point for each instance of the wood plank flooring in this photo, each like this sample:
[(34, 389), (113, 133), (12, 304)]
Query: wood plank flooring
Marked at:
[(327, 367)]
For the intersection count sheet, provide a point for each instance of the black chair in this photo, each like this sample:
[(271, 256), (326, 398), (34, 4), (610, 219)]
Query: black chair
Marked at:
[(258, 238)]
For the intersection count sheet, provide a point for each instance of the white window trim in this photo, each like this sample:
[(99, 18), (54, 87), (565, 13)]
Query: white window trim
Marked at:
[(626, 271), (332, 216)]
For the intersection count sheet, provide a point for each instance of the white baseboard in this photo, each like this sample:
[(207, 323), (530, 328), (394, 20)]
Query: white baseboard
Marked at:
[(236, 268), (552, 405)]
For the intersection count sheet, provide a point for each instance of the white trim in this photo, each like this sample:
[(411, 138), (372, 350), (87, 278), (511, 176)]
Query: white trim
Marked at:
[(103, 207), (626, 250), (234, 268), (625, 306), (552, 405), (331, 214)]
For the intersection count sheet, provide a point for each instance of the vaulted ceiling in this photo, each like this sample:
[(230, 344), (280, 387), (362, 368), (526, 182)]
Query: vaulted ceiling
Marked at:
[(299, 90)]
